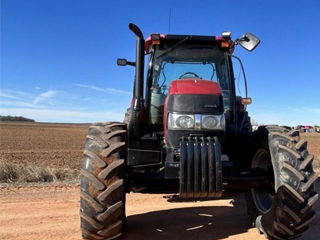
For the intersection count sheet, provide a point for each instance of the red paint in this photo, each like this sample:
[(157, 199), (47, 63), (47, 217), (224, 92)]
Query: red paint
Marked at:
[(194, 86), (148, 43), (221, 39)]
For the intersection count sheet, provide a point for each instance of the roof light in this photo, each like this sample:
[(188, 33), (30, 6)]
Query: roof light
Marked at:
[(155, 38), (226, 34)]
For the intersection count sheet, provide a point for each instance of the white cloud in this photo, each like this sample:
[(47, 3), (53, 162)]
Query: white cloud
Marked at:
[(44, 96), (18, 104), (49, 115), (13, 94), (290, 116), (8, 95), (105, 90), (315, 110), (46, 107)]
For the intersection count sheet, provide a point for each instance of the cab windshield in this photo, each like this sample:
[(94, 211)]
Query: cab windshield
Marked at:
[(206, 62)]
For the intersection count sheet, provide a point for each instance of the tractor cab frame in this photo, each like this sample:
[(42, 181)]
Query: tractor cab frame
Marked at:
[(152, 146)]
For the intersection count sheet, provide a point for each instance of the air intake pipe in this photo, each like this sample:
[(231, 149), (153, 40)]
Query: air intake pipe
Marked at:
[(137, 114)]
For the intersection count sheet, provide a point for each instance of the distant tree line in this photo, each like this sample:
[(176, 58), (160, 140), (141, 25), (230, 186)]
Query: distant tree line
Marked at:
[(15, 118)]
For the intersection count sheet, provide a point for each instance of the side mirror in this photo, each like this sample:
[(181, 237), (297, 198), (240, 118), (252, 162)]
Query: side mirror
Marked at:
[(124, 62), (248, 41)]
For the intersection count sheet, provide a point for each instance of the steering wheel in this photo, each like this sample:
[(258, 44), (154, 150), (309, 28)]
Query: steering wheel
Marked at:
[(188, 73)]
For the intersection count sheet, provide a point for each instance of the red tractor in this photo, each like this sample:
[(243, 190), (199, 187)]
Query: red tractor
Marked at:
[(189, 133)]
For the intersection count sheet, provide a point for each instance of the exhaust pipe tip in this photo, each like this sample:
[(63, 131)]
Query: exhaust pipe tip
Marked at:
[(131, 25), (136, 30)]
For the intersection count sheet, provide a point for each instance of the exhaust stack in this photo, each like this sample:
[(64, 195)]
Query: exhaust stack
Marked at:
[(138, 82), (137, 117)]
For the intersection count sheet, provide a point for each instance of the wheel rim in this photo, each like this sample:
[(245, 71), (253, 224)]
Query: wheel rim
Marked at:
[(263, 195)]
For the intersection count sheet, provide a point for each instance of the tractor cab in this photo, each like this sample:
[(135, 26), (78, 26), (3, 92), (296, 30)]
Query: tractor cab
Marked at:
[(180, 57)]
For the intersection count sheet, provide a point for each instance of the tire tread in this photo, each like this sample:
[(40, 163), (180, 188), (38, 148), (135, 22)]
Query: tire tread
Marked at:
[(102, 197), (291, 211)]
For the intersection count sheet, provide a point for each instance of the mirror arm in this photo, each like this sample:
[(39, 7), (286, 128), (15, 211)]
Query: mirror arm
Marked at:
[(124, 62), (244, 74), (238, 40), (131, 63)]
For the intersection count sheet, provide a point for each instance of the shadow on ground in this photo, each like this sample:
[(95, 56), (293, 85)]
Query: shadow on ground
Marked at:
[(205, 223)]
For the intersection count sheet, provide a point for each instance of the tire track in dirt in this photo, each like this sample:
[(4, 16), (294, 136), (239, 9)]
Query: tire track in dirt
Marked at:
[(52, 212)]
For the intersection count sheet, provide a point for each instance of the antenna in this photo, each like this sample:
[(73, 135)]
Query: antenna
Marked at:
[(169, 20)]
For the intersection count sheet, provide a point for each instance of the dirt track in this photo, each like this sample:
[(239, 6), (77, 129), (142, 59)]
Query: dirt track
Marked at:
[(51, 212)]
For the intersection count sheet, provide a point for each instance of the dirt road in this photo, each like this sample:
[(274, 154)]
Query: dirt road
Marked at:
[(51, 212)]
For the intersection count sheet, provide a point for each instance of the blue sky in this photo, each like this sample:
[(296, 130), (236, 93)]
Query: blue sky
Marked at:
[(58, 57)]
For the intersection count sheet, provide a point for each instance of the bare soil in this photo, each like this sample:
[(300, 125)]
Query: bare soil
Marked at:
[(314, 148), (52, 212), (43, 144), (61, 145)]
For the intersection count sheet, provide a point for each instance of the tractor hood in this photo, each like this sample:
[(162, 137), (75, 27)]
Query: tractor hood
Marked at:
[(194, 96), (194, 86)]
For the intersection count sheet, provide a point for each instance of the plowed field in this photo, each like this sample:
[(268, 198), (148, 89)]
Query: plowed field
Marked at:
[(56, 145), (61, 145)]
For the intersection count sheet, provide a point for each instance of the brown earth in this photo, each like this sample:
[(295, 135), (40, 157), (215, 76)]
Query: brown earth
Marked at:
[(44, 144), (61, 145), (52, 212), (314, 148)]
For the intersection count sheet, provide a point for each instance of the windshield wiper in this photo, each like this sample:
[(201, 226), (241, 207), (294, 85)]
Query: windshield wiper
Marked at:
[(175, 46)]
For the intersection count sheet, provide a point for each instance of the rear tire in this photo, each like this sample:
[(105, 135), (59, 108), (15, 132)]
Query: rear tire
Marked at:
[(281, 208), (102, 196)]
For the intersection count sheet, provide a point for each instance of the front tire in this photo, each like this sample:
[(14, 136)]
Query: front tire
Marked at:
[(102, 195), (282, 205)]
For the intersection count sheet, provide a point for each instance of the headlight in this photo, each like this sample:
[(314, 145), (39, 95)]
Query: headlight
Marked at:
[(213, 121), (180, 121), (209, 122), (196, 122), (185, 122)]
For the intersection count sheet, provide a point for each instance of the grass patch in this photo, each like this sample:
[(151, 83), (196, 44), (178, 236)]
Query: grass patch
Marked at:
[(15, 173)]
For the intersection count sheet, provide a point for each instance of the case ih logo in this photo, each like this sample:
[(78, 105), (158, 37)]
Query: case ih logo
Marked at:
[(210, 106)]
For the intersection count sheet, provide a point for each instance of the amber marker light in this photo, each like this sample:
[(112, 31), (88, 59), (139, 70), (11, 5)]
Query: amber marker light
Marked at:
[(225, 44), (246, 101)]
